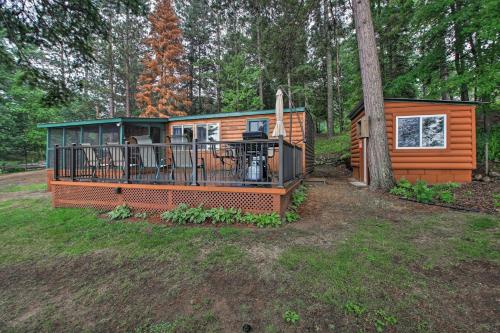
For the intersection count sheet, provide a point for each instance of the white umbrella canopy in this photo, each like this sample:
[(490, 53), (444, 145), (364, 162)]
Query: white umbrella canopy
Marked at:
[(279, 129)]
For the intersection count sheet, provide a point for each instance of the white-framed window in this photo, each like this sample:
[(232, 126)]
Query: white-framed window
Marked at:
[(203, 132), (421, 132), (182, 133), (207, 132)]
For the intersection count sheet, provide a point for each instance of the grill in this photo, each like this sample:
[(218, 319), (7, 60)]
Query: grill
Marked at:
[(257, 135), (256, 156)]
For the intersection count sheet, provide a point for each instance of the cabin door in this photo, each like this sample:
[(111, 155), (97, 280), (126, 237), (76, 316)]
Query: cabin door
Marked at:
[(363, 160)]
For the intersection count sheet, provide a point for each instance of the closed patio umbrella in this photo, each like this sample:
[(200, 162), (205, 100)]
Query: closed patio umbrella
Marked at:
[(279, 129)]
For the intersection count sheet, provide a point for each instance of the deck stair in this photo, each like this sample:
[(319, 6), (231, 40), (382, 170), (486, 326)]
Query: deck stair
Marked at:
[(315, 181)]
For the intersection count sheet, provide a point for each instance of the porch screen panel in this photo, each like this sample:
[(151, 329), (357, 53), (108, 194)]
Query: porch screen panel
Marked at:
[(91, 135), (133, 130), (55, 138), (156, 135), (110, 133), (72, 135)]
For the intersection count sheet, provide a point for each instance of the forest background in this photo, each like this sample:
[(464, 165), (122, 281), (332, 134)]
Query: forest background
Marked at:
[(80, 59)]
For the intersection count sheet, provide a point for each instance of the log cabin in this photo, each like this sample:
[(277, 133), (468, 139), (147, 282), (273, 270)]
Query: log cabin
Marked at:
[(224, 160)]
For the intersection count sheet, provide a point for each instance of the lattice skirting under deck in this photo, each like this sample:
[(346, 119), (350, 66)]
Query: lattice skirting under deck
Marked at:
[(156, 199)]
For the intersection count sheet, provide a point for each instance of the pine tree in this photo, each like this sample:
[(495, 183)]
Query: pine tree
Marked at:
[(161, 91), (379, 161)]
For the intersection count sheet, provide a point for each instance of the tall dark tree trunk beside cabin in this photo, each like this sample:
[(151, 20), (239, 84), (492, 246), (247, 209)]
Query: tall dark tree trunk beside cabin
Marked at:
[(338, 69), (379, 162), (259, 63), (459, 57), (443, 68), (127, 64), (290, 103), (111, 74), (329, 74), (218, 64)]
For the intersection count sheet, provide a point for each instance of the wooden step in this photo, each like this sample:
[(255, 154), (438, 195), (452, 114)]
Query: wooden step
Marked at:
[(315, 181)]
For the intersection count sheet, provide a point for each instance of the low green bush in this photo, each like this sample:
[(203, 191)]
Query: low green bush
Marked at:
[(225, 216), (183, 214), (496, 200), (141, 215), (291, 216), (291, 317), (263, 220), (421, 192), (298, 197), (120, 212), (178, 215)]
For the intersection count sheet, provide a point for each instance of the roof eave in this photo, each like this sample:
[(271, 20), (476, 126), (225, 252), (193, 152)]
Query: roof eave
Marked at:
[(360, 106)]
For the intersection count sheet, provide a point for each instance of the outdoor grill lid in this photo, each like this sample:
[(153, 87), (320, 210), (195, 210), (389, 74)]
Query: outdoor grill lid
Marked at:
[(256, 135)]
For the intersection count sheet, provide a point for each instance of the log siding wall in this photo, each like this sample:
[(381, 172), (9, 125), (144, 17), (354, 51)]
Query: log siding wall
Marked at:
[(453, 163), (232, 128)]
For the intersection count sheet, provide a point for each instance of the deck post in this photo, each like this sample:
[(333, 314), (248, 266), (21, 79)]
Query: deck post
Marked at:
[(127, 163), (294, 161), (56, 162), (73, 162), (281, 161), (194, 162)]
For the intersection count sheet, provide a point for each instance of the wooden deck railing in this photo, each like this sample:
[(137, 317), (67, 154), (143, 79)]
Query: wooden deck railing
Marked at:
[(230, 163)]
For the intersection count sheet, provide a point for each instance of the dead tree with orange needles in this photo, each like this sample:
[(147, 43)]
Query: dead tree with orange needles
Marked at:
[(162, 84)]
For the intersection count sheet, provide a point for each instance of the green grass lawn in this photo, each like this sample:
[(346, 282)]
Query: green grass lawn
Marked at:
[(67, 269)]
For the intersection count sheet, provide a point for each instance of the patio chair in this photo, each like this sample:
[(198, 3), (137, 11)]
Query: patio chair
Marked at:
[(226, 159), (92, 161), (183, 159), (148, 156), (118, 158)]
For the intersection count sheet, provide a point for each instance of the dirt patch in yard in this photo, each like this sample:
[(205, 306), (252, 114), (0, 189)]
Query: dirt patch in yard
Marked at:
[(23, 178), (98, 292), (469, 289), (478, 195)]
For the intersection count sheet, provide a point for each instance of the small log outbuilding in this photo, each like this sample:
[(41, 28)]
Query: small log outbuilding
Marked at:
[(430, 140)]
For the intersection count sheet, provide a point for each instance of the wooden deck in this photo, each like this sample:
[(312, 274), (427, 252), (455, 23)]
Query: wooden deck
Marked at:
[(159, 198)]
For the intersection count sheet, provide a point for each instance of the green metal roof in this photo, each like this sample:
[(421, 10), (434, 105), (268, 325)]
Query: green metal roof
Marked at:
[(360, 106), (232, 114), (162, 120), (104, 121)]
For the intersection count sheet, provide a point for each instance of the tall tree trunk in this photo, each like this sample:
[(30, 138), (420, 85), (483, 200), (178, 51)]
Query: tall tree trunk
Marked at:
[(191, 82), (259, 61), (379, 162), (62, 64), (459, 51), (111, 64), (329, 74), (290, 103), (306, 104), (338, 71), (127, 65), (218, 67), (339, 91), (200, 104), (86, 81), (443, 69)]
